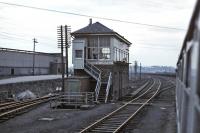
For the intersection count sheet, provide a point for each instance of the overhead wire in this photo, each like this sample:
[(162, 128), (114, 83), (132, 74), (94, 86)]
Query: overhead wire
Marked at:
[(84, 15), (90, 16), (151, 47)]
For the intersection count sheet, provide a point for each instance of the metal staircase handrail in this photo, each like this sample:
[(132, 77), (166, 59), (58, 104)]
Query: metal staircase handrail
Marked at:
[(96, 74), (92, 70), (98, 86), (108, 87)]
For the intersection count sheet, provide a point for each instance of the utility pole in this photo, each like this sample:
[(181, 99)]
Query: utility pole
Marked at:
[(64, 40), (136, 66), (60, 44), (140, 71), (132, 73), (34, 42), (67, 42)]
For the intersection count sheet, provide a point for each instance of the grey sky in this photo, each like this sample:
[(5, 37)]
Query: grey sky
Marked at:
[(151, 46)]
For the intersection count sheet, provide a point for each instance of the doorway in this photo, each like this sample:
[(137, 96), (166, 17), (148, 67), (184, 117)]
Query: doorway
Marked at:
[(12, 72)]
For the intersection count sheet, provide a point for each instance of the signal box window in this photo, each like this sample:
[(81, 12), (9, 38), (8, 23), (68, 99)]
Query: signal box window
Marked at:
[(78, 53)]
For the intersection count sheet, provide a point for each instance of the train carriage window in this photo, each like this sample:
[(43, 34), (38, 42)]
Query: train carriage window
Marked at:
[(188, 68), (185, 68), (181, 70)]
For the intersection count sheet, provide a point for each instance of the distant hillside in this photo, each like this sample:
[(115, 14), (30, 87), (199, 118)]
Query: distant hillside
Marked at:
[(153, 69)]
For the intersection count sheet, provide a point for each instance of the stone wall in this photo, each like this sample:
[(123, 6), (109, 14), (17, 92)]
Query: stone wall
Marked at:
[(40, 88)]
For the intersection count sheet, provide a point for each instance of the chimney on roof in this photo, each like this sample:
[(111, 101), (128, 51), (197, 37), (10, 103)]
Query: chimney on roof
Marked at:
[(90, 22)]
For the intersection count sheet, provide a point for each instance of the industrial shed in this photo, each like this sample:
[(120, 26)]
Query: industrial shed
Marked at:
[(20, 62)]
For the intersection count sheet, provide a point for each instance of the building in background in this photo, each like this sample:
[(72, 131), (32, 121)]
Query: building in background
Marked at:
[(14, 62)]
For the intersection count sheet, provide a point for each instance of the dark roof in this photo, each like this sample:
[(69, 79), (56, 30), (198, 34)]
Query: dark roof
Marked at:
[(93, 29), (27, 52), (98, 28)]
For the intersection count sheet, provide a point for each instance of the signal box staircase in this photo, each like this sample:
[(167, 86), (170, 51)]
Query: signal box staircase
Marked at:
[(103, 84)]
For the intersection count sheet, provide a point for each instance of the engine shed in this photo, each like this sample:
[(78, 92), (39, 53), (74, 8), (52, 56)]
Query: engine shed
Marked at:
[(103, 55)]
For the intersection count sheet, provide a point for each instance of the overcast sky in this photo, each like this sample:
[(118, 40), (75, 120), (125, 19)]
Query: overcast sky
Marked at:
[(150, 45)]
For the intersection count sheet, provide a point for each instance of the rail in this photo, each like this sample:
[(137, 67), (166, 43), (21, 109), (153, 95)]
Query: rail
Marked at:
[(145, 103), (17, 107), (108, 87)]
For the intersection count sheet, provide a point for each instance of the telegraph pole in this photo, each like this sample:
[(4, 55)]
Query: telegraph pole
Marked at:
[(63, 42), (136, 66), (34, 42), (140, 71), (67, 42), (60, 44)]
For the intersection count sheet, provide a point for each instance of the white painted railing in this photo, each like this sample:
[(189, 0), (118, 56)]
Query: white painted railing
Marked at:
[(98, 86), (108, 87)]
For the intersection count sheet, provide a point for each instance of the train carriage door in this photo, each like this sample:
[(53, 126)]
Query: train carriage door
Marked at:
[(78, 54)]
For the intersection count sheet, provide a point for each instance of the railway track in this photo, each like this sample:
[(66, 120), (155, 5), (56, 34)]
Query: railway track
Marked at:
[(158, 101), (118, 119), (6, 103), (142, 88), (11, 109)]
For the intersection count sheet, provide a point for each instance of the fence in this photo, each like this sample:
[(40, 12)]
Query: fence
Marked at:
[(73, 98)]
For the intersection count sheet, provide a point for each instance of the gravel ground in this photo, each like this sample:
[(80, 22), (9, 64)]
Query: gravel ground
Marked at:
[(154, 119), (63, 120), (160, 117)]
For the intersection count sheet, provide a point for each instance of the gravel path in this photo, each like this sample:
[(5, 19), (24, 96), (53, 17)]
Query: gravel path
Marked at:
[(160, 117), (46, 120)]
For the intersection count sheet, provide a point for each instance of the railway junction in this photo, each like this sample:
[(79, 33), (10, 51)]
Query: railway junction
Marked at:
[(151, 108), (96, 91)]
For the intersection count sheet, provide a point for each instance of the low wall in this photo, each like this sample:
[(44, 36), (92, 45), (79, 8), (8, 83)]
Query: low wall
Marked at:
[(39, 88)]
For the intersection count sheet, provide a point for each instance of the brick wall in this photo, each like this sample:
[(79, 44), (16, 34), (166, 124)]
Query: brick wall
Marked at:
[(120, 78)]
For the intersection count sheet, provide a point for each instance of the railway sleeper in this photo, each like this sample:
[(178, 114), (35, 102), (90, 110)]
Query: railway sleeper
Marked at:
[(101, 131), (123, 114), (110, 127), (115, 118), (114, 122), (107, 127), (116, 125)]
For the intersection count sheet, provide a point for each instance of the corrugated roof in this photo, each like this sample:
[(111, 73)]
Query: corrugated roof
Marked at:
[(98, 28)]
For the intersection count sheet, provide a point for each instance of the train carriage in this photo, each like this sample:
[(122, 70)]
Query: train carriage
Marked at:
[(188, 78)]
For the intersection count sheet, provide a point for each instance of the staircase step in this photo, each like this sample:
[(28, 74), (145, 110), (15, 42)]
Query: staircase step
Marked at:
[(102, 96)]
